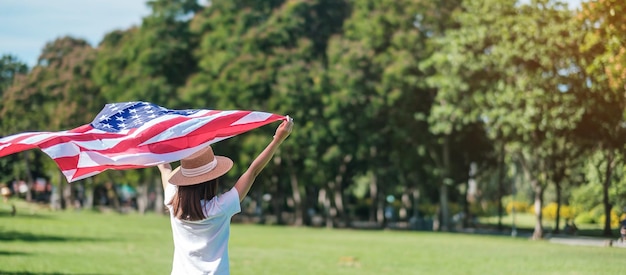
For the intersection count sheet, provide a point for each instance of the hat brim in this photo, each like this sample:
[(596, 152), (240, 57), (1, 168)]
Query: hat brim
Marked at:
[(224, 164)]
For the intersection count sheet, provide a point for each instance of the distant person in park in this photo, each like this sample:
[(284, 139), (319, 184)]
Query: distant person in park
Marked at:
[(200, 218), (570, 227)]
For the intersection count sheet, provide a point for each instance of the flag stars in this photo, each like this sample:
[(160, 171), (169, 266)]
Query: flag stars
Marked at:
[(125, 116)]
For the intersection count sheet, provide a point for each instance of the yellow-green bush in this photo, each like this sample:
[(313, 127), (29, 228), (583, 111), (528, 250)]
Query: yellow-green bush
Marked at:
[(520, 207), (549, 211), (585, 218)]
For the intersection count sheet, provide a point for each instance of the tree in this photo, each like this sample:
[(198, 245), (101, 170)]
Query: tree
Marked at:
[(150, 62), (10, 67), (378, 88), (267, 56), (33, 102), (604, 56), (511, 64)]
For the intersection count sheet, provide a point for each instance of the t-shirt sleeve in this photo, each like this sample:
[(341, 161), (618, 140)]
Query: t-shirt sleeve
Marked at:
[(229, 202), (168, 193)]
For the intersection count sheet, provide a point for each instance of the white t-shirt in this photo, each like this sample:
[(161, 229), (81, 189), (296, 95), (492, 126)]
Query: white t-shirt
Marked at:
[(201, 247)]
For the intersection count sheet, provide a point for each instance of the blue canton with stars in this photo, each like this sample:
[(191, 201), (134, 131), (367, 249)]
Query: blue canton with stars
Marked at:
[(117, 117)]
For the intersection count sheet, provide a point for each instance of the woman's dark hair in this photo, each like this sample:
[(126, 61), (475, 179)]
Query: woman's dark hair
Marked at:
[(186, 202)]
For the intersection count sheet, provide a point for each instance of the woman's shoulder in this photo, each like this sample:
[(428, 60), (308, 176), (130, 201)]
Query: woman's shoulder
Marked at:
[(224, 203)]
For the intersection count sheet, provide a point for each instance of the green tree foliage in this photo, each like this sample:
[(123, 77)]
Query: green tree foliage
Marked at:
[(56, 95), (149, 62), (604, 55), (590, 195), (267, 56), (10, 67), (606, 40), (509, 67), (378, 89), (395, 98)]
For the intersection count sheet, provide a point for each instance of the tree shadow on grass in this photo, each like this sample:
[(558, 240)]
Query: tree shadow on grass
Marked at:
[(30, 237), (12, 253)]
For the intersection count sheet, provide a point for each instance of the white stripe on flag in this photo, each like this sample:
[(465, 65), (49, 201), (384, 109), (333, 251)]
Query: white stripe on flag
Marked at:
[(94, 159), (252, 117), (60, 150)]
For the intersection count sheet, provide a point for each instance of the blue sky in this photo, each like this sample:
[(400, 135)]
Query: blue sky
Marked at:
[(27, 25)]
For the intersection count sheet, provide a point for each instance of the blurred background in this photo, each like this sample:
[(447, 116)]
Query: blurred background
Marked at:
[(410, 114)]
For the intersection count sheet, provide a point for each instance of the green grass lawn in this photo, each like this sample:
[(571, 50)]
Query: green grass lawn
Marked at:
[(39, 241)]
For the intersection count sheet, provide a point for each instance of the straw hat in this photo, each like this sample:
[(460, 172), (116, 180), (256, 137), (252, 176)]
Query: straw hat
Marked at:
[(200, 167)]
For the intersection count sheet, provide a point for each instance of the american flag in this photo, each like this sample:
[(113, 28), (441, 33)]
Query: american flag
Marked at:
[(135, 135)]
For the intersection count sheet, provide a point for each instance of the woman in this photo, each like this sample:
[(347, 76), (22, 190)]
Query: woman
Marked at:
[(200, 218)]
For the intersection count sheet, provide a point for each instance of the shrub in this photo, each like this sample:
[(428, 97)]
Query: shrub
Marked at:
[(484, 208), (549, 211), (585, 218), (519, 207)]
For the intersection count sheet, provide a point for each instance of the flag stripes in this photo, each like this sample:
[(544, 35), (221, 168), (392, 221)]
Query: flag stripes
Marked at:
[(135, 135)]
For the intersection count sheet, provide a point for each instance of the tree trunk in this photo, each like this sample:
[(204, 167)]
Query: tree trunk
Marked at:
[(297, 200), (443, 202), (373, 198), (337, 189), (310, 204), (558, 206), (325, 201), (29, 176), (89, 193), (416, 197), (380, 211), (470, 195), (501, 173), (443, 188), (403, 214), (295, 194), (142, 198), (610, 159), (62, 193), (277, 200), (338, 203), (538, 188)]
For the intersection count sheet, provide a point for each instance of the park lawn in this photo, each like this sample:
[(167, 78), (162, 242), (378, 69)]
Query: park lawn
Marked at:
[(526, 222), (38, 241)]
